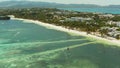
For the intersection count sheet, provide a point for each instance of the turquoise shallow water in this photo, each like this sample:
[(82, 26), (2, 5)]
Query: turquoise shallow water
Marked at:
[(27, 45), (98, 10)]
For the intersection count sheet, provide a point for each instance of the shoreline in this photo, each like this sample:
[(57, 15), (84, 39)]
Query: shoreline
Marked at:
[(60, 28)]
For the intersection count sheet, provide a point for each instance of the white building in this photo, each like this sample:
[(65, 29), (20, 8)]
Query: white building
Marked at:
[(106, 15), (113, 22), (118, 24), (78, 19)]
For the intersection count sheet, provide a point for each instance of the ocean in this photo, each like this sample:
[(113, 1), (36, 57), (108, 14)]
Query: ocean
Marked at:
[(97, 10), (27, 45)]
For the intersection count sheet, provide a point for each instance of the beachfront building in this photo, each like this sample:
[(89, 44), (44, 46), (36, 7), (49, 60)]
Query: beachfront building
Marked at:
[(112, 32), (106, 16), (115, 34)]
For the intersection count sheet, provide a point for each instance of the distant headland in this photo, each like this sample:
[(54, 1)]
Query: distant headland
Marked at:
[(32, 4)]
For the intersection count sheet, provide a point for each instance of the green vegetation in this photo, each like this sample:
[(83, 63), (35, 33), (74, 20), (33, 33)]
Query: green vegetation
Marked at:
[(89, 22)]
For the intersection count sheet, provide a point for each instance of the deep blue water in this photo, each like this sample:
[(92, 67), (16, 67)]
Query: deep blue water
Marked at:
[(98, 10)]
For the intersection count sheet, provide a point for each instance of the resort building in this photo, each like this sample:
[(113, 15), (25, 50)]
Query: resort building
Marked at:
[(113, 22), (78, 19), (106, 15)]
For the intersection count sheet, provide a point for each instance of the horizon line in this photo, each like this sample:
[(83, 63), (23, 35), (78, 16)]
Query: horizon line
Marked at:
[(63, 3)]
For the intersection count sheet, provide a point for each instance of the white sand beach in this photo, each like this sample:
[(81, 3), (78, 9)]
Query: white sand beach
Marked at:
[(60, 28)]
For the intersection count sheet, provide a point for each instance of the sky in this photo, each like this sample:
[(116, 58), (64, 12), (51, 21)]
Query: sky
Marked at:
[(97, 2)]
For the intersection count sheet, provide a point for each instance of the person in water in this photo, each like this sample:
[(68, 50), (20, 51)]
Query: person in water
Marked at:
[(68, 48)]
